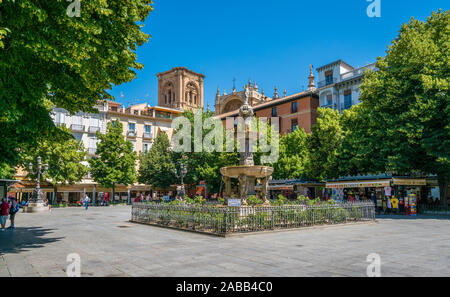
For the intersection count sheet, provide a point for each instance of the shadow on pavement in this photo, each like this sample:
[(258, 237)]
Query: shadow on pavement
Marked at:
[(418, 217), (24, 238)]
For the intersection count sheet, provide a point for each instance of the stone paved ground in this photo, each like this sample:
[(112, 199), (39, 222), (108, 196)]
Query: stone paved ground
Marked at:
[(111, 246)]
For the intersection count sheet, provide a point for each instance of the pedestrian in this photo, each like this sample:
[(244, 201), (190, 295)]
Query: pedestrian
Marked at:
[(86, 201), (14, 208), (4, 209)]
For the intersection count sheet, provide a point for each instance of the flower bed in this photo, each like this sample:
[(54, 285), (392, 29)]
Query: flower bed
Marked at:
[(224, 220)]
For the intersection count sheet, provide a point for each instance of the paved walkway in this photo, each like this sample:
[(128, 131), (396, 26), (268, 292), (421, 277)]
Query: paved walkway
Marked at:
[(111, 246)]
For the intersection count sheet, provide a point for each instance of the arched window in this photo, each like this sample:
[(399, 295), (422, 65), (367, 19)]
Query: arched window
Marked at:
[(169, 94), (191, 93)]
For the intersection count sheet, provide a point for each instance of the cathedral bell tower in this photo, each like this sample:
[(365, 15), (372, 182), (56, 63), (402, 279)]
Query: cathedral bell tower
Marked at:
[(180, 88)]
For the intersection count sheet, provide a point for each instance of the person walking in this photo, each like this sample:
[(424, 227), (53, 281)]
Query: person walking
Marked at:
[(14, 208), (86, 201), (4, 209)]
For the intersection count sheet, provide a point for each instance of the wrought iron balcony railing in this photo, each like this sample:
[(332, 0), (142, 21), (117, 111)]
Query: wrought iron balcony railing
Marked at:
[(148, 135), (93, 129), (76, 127), (91, 151)]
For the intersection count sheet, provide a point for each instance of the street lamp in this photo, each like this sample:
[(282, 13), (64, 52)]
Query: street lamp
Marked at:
[(183, 172), (37, 196)]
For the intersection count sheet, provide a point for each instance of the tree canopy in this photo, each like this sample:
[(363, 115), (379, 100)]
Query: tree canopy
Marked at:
[(406, 103), (64, 160), (50, 59), (156, 166), (115, 161)]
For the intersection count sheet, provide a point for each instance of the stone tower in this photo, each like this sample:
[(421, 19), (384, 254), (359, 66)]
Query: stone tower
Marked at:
[(180, 88)]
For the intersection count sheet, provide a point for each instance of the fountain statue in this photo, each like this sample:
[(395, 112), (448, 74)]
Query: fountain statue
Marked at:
[(247, 172)]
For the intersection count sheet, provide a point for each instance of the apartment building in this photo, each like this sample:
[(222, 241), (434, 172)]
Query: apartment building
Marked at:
[(338, 85)]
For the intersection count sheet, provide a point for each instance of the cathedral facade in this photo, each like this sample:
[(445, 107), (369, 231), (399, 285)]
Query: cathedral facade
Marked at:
[(230, 102)]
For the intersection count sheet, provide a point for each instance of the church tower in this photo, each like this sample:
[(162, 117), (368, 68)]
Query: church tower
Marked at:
[(180, 88)]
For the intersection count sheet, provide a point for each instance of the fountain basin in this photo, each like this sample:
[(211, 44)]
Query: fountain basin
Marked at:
[(257, 171)]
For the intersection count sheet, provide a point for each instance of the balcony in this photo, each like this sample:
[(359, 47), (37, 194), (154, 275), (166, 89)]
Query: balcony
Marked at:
[(358, 71), (91, 151), (326, 82), (131, 133), (94, 129), (148, 135), (76, 127)]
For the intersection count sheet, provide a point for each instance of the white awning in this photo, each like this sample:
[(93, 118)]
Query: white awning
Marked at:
[(359, 184)]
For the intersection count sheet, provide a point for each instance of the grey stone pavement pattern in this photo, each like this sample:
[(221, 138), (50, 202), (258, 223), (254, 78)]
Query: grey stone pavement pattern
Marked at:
[(109, 245)]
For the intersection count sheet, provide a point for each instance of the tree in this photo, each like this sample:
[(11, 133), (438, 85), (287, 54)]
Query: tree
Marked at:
[(64, 159), (205, 166), (116, 160), (408, 104), (157, 165), (323, 144), (358, 153), (6, 171), (50, 59), (293, 156)]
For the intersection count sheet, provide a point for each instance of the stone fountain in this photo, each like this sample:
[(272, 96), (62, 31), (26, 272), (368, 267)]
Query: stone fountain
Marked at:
[(247, 172)]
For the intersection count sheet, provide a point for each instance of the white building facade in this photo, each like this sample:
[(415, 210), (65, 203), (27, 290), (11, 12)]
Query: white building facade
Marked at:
[(338, 86)]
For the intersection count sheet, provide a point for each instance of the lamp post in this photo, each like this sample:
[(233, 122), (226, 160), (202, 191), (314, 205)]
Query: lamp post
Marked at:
[(181, 175), (38, 197)]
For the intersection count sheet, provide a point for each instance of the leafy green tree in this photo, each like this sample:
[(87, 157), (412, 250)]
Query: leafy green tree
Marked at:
[(323, 144), (157, 165), (116, 161), (6, 171), (408, 104), (358, 152), (64, 159), (205, 166), (50, 59), (293, 156)]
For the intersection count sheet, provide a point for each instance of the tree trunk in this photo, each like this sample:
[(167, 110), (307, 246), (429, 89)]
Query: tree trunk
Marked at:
[(55, 194), (443, 190), (113, 194)]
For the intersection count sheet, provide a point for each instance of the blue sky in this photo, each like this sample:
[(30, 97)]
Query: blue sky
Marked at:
[(271, 42)]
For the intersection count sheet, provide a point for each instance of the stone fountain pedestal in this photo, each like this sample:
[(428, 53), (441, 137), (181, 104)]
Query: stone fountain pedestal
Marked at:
[(247, 172), (36, 207)]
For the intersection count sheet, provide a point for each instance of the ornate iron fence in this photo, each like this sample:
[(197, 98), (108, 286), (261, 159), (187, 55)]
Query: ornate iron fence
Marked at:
[(228, 220)]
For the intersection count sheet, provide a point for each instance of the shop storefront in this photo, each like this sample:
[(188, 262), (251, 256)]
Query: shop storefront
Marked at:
[(396, 195), (295, 187)]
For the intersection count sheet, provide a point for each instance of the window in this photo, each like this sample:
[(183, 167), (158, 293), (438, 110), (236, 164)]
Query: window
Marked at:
[(274, 111), (329, 99), (294, 107), (60, 118), (294, 125), (347, 99), (113, 123), (329, 77), (77, 136), (134, 145), (146, 147), (148, 129), (131, 126)]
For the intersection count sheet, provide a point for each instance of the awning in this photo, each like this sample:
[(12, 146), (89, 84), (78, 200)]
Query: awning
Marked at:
[(409, 182), (287, 188), (359, 184)]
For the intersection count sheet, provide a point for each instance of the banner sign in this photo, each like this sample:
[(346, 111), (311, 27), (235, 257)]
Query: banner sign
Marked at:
[(359, 184)]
